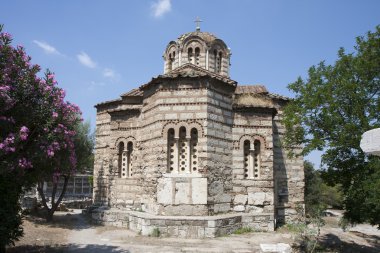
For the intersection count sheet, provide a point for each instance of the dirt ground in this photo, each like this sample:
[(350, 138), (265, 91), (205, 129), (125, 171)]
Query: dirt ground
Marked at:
[(72, 232)]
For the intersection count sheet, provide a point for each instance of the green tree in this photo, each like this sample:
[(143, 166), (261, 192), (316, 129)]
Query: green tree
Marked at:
[(331, 110), (313, 191), (319, 195)]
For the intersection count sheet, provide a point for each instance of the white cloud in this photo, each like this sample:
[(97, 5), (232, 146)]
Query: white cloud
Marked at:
[(109, 73), (161, 7), (48, 49), (94, 85), (86, 60)]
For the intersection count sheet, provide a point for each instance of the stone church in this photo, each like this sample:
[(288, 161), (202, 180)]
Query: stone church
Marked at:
[(193, 153)]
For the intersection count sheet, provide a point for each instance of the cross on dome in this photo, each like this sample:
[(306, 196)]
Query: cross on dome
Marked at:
[(198, 21)]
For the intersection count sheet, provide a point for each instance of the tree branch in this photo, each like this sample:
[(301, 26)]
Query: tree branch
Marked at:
[(40, 190), (66, 181)]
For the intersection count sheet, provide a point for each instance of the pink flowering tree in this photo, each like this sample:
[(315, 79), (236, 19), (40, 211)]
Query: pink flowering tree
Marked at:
[(37, 132)]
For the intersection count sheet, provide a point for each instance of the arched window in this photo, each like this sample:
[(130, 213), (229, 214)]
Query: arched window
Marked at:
[(215, 60), (252, 159), (122, 160), (257, 159), (170, 62), (129, 159), (219, 64), (125, 159), (183, 151), (172, 152), (246, 151), (194, 150), (197, 54), (190, 55)]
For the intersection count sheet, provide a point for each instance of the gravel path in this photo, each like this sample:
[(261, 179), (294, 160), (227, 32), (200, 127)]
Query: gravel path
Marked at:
[(71, 232)]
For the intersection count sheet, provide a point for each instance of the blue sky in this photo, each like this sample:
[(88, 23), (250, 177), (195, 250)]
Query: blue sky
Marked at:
[(100, 49)]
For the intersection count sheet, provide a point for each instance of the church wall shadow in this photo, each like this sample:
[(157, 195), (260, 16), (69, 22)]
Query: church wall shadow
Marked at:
[(335, 244), (72, 221), (70, 248), (280, 178)]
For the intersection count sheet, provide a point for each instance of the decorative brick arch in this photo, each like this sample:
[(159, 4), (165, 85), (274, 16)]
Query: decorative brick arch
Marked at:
[(220, 46), (125, 140), (197, 126), (252, 139), (194, 39), (182, 151), (166, 127), (169, 48), (179, 125)]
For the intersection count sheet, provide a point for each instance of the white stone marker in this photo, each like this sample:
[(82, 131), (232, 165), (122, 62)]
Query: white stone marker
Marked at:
[(370, 142), (275, 248)]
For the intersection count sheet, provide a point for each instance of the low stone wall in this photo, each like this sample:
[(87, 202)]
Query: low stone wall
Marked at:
[(183, 226)]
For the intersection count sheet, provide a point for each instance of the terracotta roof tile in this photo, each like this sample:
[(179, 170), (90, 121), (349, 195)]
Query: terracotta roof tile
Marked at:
[(133, 93), (241, 89), (191, 70)]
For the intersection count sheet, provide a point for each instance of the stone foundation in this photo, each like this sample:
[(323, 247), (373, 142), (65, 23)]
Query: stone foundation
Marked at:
[(183, 226)]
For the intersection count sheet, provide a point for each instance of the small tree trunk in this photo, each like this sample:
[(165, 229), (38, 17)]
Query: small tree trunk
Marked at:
[(49, 215), (40, 190), (54, 205)]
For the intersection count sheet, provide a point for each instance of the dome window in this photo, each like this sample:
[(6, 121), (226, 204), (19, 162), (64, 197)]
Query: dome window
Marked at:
[(170, 62), (197, 53), (190, 55)]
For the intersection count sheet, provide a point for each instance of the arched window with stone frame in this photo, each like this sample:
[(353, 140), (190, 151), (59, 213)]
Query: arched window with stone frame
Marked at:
[(129, 170), (197, 55), (172, 152), (256, 158), (183, 151), (122, 159), (170, 62), (246, 152), (182, 147), (215, 60), (252, 159), (194, 150), (190, 55), (219, 64)]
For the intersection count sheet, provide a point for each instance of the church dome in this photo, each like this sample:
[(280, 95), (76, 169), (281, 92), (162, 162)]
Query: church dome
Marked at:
[(202, 49)]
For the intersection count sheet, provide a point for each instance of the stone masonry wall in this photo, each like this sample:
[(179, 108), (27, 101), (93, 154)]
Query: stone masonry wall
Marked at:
[(289, 176), (171, 105), (101, 160), (183, 226), (219, 148), (253, 195), (217, 185)]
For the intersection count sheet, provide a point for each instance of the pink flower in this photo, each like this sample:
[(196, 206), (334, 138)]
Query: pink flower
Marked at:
[(50, 152), (55, 115), (5, 88), (10, 149), (24, 163), (24, 132)]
